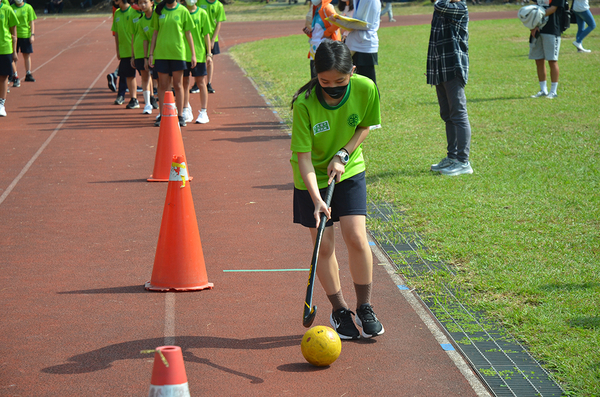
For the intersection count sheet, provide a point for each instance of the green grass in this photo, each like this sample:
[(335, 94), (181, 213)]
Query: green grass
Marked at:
[(523, 231)]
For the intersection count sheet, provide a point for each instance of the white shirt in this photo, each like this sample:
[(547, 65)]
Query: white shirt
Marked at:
[(365, 40), (581, 5)]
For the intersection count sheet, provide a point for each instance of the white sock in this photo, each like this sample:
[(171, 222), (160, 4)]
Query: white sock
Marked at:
[(147, 97), (553, 87), (203, 110), (543, 86)]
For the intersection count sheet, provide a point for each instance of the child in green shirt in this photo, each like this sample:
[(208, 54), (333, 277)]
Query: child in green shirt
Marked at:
[(8, 49), (25, 38), (216, 15)]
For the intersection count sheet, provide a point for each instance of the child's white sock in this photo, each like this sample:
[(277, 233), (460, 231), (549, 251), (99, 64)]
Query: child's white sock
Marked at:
[(543, 86), (147, 97), (553, 87)]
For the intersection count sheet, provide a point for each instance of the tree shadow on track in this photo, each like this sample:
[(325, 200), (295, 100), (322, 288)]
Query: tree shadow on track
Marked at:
[(103, 358), (130, 289), (287, 186), (252, 139)]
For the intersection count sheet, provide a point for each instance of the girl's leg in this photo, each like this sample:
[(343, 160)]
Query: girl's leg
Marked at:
[(178, 86), (186, 91), (164, 83), (146, 89), (327, 267), (588, 18), (3, 86), (201, 83), (27, 61)]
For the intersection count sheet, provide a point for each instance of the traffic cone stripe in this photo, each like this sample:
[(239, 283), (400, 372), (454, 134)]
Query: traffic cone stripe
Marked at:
[(169, 380), (169, 110), (169, 391), (178, 173)]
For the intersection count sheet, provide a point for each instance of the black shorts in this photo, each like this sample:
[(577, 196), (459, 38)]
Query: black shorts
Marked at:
[(125, 69), (139, 64), (216, 50), (6, 65), (24, 45), (349, 198), (365, 59), (198, 71), (168, 66)]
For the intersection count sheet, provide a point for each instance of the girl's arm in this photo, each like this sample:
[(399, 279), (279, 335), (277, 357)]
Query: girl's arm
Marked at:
[(152, 47), (190, 39), (335, 166), (208, 50), (145, 53), (132, 51), (117, 45), (215, 34), (307, 170), (32, 28)]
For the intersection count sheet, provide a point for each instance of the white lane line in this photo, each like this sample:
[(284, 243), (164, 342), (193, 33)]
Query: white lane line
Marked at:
[(50, 31), (169, 319), (66, 48), (56, 130), (430, 322)]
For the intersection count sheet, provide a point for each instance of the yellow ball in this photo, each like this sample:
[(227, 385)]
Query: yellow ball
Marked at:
[(321, 346)]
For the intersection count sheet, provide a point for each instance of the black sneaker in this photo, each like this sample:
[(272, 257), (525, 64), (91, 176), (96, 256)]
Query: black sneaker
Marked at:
[(133, 104), (154, 102), (194, 89), (181, 121), (367, 320), (157, 122), (120, 100), (11, 78), (16, 82), (210, 89), (111, 82), (341, 321), (29, 77)]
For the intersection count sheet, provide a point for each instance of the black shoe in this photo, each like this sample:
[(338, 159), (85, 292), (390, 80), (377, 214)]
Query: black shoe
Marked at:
[(194, 89), (154, 102), (16, 82), (29, 77), (11, 78), (133, 104), (367, 320), (210, 89), (341, 321), (120, 100), (157, 122), (181, 121), (111, 82)]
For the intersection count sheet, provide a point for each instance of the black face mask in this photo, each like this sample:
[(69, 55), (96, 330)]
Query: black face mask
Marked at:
[(335, 92)]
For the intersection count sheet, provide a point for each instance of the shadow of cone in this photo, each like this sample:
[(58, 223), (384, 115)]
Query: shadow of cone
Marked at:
[(169, 380), (179, 261), (169, 143)]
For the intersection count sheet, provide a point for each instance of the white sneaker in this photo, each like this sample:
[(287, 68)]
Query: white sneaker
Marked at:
[(2, 111), (583, 50), (539, 94), (148, 109), (202, 117), (187, 114), (578, 45), (552, 95)]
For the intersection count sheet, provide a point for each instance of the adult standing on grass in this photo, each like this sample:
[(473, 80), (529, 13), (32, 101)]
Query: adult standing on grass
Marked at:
[(122, 27), (332, 115), (364, 42), (448, 71), (8, 49), (584, 17), (216, 15), (545, 46), (25, 38), (172, 24)]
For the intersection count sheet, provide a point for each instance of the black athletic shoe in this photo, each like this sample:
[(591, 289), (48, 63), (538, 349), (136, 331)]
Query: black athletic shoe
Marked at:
[(210, 89), (157, 122), (181, 121), (194, 89), (11, 78), (341, 321), (111, 82), (120, 100), (29, 77), (16, 82), (133, 104), (154, 102), (367, 320)]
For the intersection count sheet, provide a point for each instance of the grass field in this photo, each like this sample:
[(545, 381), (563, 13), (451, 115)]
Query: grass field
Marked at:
[(523, 231)]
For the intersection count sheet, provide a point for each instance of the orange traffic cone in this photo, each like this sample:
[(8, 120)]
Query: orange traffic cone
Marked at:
[(169, 379), (169, 143), (179, 261)]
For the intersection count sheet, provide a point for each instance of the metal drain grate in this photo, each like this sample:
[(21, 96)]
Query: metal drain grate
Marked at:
[(501, 361)]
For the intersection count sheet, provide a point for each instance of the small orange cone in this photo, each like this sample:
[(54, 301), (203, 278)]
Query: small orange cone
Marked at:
[(169, 380), (169, 143), (179, 261)]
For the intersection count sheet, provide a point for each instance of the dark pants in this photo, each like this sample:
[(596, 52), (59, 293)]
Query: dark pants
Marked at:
[(453, 110)]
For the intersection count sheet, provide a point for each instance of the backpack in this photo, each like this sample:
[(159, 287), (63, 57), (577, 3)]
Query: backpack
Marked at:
[(565, 22)]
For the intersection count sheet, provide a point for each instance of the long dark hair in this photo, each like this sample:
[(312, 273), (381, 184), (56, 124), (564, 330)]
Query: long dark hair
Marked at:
[(350, 5), (331, 55)]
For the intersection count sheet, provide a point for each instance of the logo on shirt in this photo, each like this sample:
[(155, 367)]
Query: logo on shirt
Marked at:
[(177, 17), (163, 16), (118, 19), (146, 28), (136, 20), (353, 120), (321, 127)]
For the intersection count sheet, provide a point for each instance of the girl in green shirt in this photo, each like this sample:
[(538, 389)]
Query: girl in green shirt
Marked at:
[(332, 115)]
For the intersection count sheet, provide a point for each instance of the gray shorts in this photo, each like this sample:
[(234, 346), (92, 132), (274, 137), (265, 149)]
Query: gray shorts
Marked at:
[(546, 46)]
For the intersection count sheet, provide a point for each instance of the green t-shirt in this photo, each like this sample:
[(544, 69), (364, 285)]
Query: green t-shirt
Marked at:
[(216, 13), (25, 14), (171, 26), (8, 19), (201, 29), (142, 31), (323, 130), (122, 26)]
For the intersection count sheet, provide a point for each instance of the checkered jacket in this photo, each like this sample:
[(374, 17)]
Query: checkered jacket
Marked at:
[(448, 54)]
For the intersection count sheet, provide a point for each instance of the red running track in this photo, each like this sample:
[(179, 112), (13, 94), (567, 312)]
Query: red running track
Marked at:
[(78, 232)]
